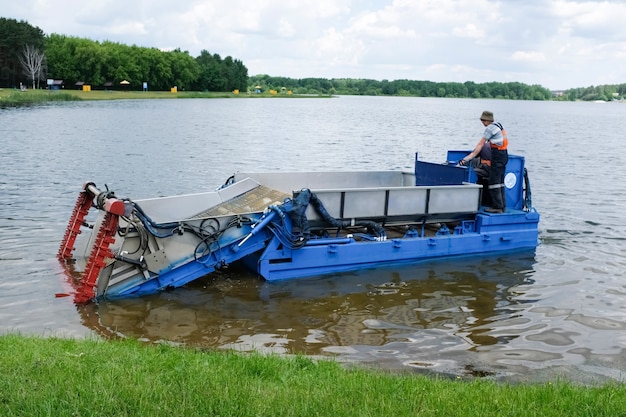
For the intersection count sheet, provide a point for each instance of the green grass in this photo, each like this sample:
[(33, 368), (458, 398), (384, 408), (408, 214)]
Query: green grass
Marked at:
[(66, 377), (14, 98), (17, 98)]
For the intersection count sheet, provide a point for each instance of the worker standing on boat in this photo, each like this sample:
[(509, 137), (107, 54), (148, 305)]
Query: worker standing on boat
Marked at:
[(496, 136)]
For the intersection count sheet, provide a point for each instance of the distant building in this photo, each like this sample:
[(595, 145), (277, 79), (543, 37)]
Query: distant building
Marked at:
[(57, 85)]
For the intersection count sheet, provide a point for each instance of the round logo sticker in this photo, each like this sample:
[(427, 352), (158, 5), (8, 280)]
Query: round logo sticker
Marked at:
[(510, 180)]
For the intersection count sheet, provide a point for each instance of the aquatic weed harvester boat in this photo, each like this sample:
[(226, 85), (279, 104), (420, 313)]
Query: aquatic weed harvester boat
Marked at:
[(289, 225)]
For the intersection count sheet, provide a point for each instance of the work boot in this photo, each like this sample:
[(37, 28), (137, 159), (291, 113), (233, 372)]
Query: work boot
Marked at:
[(494, 210)]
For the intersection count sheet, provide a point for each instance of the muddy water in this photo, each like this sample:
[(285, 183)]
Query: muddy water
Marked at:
[(558, 311)]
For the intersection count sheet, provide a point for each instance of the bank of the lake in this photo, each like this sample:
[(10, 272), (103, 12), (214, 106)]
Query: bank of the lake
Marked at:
[(53, 376), (14, 97)]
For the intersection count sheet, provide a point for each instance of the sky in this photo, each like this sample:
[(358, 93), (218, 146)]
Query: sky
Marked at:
[(559, 44)]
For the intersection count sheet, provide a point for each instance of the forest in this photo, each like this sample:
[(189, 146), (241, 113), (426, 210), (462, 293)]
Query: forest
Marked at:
[(29, 58), (513, 91), (100, 64)]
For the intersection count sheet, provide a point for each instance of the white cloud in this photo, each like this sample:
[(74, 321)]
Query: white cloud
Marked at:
[(587, 19), (469, 31), (528, 56), (337, 48)]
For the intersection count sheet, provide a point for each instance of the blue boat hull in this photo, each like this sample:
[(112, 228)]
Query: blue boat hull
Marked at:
[(507, 232)]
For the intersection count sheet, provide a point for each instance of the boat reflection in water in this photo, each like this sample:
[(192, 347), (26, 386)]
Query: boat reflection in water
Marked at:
[(430, 308)]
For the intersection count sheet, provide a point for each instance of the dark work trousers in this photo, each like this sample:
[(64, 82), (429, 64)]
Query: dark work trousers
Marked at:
[(497, 191)]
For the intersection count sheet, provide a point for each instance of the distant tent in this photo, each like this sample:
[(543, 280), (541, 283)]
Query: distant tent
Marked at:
[(124, 82), (108, 85)]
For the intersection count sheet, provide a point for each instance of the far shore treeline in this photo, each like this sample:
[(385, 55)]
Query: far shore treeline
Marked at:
[(28, 58)]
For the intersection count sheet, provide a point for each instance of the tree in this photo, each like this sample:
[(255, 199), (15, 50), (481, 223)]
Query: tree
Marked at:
[(217, 74), (33, 62), (14, 36)]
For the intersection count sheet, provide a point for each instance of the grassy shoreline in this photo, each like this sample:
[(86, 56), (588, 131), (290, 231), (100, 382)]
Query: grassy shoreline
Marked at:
[(16, 98), (54, 376)]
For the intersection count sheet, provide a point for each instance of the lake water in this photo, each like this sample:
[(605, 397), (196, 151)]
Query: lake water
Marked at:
[(557, 312)]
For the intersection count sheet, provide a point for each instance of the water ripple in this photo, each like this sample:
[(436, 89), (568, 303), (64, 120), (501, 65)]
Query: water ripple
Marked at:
[(558, 310)]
